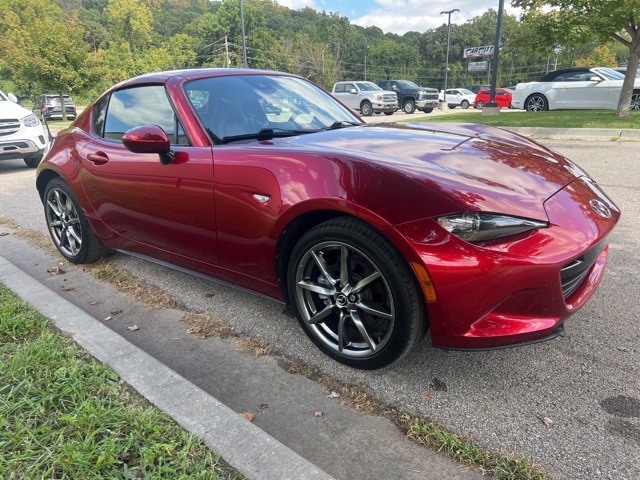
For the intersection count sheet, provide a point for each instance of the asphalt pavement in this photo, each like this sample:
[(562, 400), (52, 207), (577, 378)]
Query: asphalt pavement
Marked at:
[(587, 384)]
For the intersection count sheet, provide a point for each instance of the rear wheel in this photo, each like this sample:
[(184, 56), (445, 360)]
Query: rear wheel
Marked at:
[(480, 104), (68, 226), (427, 109), (536, 103), (464, 104), (354, 294), (366, 109)]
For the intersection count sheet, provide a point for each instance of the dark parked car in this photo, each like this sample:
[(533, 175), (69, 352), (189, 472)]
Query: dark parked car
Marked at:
[(48, 106), (476, 88), (502, 98), (411, 96), (375, 234)]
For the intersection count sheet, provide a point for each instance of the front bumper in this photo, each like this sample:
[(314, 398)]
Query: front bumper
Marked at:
[(503, 293), (21, 148), (379, 107), (422, 104)]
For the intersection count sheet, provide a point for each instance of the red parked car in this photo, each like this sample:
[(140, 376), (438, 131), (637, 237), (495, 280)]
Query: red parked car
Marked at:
[(502, 98), (374, 234)]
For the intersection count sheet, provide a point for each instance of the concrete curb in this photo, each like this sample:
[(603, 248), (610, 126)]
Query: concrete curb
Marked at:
[(604, 134), (244, 446)]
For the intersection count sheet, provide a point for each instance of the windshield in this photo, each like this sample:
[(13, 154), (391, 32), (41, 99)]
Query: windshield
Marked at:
[(55, 99), (405, 84), (367, 86), (610, 74), (243, 105), (464, 91)]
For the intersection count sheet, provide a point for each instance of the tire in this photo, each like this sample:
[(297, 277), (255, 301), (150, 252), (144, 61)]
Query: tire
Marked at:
[(635, 101), (68, 226), (464, 104), (480, 105), (368, 313), (452, 106), (427, 109), (536, 103), (32, 162), (409, 107), (366, 109), (389, 113)]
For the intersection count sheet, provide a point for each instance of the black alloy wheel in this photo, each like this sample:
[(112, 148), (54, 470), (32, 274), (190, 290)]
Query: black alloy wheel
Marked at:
[(354, 295)]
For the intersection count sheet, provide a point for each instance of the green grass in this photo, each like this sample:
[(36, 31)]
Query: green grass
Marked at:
[(63, 415), (497, 466), (554, 119)]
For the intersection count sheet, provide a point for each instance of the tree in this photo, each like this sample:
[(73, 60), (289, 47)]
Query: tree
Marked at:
[(45, 51), (572, 22)]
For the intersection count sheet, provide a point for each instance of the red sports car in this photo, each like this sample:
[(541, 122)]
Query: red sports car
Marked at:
[(374, 234), (502, 98)]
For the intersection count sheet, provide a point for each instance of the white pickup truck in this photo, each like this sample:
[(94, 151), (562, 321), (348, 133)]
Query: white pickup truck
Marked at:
[(367, 97), (21, 133)]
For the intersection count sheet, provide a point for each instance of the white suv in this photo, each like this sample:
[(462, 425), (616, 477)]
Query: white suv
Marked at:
[(366, 97), (21, 133)]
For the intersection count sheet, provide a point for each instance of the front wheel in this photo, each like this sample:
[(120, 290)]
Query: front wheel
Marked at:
[(366, 109), (480, 105), (388, 113), (536, 103), (354, 294), (635, 101), (68, 226), (409, 106), (427, 109), (464, 104), (32, 162)]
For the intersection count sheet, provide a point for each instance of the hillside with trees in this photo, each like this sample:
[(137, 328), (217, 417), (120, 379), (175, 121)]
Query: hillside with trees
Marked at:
[(84, 46)]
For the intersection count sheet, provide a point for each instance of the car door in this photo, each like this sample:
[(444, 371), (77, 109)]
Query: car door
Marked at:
[(165, 210), (454, 97), (578, 91), (343, 93)]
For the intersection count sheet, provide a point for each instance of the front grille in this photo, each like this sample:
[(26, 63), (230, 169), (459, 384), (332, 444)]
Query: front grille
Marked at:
[(573, 274), (389, 98), (9, 126)]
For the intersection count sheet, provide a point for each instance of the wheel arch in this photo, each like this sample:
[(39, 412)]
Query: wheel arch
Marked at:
[(546, 99), (43, 180)]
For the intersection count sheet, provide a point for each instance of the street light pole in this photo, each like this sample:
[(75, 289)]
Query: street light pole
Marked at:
[(496, 56), (244, 44), (365, 62), (446, 68)]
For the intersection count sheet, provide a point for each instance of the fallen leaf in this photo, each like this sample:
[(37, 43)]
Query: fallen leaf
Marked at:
[(116, 312), (93, 302), (318, 414), (195, 329), (133, 328), (248, 416), (547, 421), (4, 234), (623, 349), (107, 318), (633, 199), (136, 473), (428, 393), (263, 406), (64, 288), (333, 395), (55, 271)]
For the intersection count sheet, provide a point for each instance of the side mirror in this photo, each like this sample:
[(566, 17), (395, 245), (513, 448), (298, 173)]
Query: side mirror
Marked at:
[(12, 97), (149, 139), (353, 91), (395, 88)]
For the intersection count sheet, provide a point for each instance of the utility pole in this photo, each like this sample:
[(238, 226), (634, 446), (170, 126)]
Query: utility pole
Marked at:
[(446, 68), (496, 54), (226, 49), (365, 62), (244, 44)]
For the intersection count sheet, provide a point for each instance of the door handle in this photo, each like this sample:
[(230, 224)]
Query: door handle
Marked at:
[(98, 158)]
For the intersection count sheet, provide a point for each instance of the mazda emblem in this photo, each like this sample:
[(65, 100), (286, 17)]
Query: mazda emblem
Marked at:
[(600, 208)]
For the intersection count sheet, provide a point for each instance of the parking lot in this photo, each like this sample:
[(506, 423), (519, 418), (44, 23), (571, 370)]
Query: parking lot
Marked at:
[(571, 404)]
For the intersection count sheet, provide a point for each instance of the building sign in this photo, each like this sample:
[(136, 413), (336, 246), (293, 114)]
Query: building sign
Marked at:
[(478, 66), (478, 52)]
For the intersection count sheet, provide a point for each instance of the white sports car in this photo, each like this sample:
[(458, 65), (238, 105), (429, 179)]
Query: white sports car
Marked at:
[(574, 88)]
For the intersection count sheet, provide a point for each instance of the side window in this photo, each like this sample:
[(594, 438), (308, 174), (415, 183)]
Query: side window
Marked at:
[(98, 115), (340, 88), (349, 86), (146, 105)]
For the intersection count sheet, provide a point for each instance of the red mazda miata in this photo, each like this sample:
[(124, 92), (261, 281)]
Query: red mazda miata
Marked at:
[(376, 235)]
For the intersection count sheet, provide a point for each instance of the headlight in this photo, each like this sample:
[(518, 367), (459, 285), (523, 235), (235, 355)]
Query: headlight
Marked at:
[(377, 98), (480, 227), (30, 121)]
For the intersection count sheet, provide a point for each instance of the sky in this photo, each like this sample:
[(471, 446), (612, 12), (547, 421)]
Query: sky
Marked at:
[(401, 16)]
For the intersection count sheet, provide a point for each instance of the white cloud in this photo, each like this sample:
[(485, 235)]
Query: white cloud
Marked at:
[(298, 4)]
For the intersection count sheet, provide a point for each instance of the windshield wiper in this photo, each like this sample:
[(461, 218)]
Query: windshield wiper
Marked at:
[(341, 124), (264, 134)]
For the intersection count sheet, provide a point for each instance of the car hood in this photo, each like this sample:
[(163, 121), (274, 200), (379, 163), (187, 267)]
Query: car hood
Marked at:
[(8, 109), (482, 168)]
